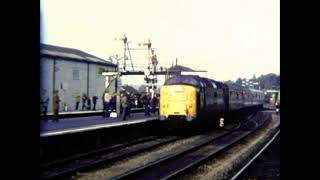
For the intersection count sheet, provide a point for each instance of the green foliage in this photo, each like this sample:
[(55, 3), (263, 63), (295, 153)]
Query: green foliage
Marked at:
[(268, 81)]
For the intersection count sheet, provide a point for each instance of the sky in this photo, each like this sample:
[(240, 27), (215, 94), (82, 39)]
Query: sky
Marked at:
[(228, 38)]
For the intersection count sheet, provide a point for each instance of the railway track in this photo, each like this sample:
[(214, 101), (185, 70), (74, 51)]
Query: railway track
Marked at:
[(67, 166), (245, 167), (176, 163), (168, 166), (173, 164)]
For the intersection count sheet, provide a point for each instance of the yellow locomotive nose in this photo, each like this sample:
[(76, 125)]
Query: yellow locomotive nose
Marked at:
[(178, 101)]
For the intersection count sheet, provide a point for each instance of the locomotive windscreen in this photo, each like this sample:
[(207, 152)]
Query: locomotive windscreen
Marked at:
[(191, 80)]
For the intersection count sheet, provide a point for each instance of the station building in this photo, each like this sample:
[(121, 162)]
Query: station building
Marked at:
[(73, 73)]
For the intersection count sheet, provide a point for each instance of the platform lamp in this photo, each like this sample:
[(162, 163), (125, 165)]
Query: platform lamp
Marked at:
[(118, 74)]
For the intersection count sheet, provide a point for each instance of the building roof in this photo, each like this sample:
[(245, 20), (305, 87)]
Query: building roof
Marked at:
[(74, 54)]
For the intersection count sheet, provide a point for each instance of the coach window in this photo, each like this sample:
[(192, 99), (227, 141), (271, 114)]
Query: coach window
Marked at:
[(215, 94)]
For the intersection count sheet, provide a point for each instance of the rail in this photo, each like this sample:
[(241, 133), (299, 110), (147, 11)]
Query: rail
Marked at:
[(255, 157), (64, 167)]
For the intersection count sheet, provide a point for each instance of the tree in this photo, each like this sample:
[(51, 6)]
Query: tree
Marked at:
[(239, 81), (268, 81)]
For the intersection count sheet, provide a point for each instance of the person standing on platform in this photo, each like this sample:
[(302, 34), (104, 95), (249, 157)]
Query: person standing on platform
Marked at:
[(44, 101), (94, 100), (146, 101), (55, 106), (136, 101), (154, 103), (89, 103), (106, 99), (103, 114), (77, 102), (113, 104), (84, 100), (124, 104), (130, 104)]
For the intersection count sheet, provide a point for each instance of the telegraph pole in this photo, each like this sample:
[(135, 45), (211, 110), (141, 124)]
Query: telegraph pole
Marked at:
[(118, 88), (150, 72), (117, 84)]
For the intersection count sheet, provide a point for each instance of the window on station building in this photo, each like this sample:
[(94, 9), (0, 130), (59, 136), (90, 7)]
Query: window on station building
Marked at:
[(75, 74), (215, 94)]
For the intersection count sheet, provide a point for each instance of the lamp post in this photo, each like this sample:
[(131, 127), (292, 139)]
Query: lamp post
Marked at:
[(117, 84), (118, 88)]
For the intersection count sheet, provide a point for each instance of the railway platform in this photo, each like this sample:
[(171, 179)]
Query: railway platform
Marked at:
[(76, 112), (85, 113), (80, 124)]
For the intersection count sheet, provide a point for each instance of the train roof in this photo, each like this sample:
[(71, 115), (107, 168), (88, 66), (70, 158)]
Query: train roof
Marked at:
[(236, 87), (194, 80), (198, 81)]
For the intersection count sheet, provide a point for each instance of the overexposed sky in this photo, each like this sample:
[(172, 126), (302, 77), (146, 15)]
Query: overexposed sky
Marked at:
[(228, 38)]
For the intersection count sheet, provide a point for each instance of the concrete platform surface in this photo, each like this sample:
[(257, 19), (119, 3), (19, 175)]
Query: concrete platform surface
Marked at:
[(79, 124)]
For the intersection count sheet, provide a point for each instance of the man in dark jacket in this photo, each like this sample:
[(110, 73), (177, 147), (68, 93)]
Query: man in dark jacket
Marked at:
[(154, 103), (130, 103), (84, 100), (94, 100), (44, 102), (89, 103), (146, 101), (107, 98), (113, 103), (77, 102)]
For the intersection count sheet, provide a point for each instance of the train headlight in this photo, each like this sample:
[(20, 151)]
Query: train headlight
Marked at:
[(221, 122)]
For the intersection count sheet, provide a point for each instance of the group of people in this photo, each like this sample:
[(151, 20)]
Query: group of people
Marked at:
[(86, 102), (150, 103), (128, 101), (44, 102), (109, 103)]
